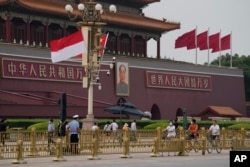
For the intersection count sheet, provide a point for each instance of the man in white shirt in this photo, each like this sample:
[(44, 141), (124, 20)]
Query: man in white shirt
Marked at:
[(133, 130), (51, 129), (114, 127), (214, 129), (94, 128)]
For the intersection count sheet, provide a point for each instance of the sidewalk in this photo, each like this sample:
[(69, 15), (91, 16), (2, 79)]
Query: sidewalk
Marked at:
[(136, 160)]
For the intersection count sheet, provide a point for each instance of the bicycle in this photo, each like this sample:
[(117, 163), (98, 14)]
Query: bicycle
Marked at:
[(213, 144), (192, 143)]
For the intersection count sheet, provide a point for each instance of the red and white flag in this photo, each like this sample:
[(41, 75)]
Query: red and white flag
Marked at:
[(67, 47)]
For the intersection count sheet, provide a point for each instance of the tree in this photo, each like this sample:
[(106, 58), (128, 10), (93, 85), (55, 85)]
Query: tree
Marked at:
[(241, 62)]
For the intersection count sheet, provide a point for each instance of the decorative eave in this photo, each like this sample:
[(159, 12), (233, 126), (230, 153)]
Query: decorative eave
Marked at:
[(139, 3), (137, 20), (4, 2), (147, 1), (117, 19)]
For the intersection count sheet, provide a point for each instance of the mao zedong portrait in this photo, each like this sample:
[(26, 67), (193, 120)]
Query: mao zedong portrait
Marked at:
[(122, 85)]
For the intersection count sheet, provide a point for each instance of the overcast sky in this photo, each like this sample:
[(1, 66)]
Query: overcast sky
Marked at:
[(225, 16)]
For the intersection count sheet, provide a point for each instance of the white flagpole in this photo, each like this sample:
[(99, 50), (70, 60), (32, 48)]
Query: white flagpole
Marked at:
[(195, 46), (231, 57), (219, 50), (208, 63)]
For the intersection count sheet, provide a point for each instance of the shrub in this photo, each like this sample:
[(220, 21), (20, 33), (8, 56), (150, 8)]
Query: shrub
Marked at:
[(239, 126), (156, 125)]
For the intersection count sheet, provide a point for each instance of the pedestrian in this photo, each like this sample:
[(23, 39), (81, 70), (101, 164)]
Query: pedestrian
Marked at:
[(176, 124), (59, 126), (74, 130), (133, 130), (94, 128), (107, 128), (215, 130), (114, 127), (193, 129), (51, 129), (125, 127), (3, 128), (170, 131)]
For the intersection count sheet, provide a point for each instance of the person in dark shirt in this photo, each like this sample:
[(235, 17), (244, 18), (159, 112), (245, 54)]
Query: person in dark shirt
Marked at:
[(176, 124), (3, 128)]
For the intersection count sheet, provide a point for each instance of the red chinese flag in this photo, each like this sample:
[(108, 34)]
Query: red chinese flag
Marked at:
[(214, 42), (202, 41), (186, 40), (191, 40), (226, 42), (103, 42)]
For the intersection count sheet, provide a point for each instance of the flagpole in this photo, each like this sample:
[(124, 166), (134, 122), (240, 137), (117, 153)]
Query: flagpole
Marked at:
[(208, 63), (91, 28), (195, 45), (231, 57), (220, 50)]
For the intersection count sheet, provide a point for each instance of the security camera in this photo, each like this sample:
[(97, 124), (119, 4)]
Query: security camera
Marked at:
[(108, 73), (97, 79), (111, 66), (113, 59)]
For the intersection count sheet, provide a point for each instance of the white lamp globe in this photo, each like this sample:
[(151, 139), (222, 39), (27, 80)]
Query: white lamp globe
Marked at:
[(98, 7), (81, 6), (68, 8), (112, 8)]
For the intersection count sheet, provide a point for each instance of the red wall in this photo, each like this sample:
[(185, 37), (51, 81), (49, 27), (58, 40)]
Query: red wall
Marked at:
[(226, 91)]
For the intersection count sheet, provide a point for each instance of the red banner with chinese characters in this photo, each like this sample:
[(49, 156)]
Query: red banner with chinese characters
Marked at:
[(35, 70), (178, 81)]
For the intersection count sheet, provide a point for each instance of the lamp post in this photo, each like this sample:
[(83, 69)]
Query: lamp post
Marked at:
[(90, 13)]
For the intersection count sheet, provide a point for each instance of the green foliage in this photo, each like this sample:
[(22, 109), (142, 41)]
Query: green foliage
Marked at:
[(241, 62), (246, 126), (42, 124), (22, 123), (156, 125), (39, 126)]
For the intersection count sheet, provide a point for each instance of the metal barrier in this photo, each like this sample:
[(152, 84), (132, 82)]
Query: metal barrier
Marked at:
[(36, 143)]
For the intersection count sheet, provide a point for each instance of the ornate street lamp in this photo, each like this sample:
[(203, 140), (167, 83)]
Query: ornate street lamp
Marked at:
[(90, 13)]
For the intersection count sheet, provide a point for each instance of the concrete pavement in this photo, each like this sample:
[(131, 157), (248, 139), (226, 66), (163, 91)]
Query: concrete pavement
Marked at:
[(137, 160)]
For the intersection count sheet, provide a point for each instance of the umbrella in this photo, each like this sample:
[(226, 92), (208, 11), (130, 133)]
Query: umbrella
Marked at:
[(126, 108)]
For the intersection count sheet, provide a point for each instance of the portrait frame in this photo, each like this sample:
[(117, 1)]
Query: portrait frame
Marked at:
[(121, 83)]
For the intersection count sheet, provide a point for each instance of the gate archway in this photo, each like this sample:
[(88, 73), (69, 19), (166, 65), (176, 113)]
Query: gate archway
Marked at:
[(155, 111)]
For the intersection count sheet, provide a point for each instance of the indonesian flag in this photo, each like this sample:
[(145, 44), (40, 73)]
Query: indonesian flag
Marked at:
[(67, 47), (103, 42)]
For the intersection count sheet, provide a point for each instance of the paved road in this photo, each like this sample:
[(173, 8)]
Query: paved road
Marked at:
[(137, 160)]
